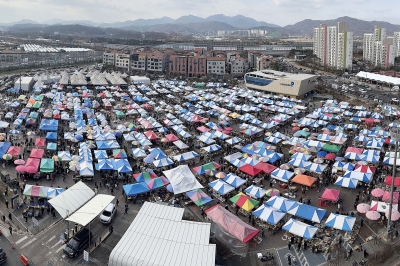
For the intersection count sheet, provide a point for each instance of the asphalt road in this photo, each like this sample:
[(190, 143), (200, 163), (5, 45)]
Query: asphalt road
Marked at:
[(13, 256)]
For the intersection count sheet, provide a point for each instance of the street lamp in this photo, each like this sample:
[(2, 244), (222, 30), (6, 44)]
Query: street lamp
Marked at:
[(394, 135)]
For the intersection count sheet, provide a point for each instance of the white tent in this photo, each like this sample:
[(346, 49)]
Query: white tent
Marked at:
[(72, 199), (182, 179), (300, 229), (180, 144), (91, 210), (159, 236)]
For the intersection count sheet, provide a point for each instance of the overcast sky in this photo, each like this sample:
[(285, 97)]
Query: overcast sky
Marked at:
[(281, 12)]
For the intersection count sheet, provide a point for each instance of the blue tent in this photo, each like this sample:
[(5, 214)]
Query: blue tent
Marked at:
[(340, 222), (49, 125), (268, 214), (52, 146), (307, 212), (51, 136), (300, 229), (122, 165), (280, 203), (100, 154), (136, 189), (4, 148), (105, 164), (102, 145)]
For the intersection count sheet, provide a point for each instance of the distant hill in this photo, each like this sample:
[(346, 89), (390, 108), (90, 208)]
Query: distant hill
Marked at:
[(239, 21), (357, 26)]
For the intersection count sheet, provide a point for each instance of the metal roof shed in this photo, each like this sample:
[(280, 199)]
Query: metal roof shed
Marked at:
[(72, 199), (160, 228), (90, 210)]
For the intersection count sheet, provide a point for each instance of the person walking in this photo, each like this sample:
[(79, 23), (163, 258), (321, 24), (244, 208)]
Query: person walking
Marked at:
[(7, 203), (299, 246), (361, 222), (10, 216), (289, 245), (117, 202), (263, 233), (126, 209), (10, 228)]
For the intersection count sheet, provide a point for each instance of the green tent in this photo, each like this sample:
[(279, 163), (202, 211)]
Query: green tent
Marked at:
[(46, 165), (303, 133), (37, 105), (119, 113), (331, 148)]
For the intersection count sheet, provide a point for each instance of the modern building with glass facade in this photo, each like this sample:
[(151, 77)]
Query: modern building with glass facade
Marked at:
[(281, 83)]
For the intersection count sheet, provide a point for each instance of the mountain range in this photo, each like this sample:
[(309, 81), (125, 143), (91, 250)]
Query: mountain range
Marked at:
[(194, 25)]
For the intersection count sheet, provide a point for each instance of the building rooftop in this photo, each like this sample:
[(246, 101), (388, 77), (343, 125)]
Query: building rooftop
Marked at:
[(273, 74)]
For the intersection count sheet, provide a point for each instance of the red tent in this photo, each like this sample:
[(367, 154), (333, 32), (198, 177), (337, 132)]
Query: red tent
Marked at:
[(171, 137), (203, 129), (14, 151), (249, 169), (355, 150), (36, 153), (365, 169), (330, 194), (40, 142), (231, 223), (32, 165), (265, 167), (197, 118), (151, 135), (388, 181)]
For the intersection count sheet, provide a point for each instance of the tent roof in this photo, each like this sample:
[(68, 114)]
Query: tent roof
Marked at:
[(249, 169), (91, 210), (159, 236), (182, 179), (72, 199), (231, 223), (265, 167), (330, 194), (304, 180)]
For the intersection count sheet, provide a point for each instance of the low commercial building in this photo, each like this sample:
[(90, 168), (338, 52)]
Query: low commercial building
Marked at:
[(216, 66), (281, 83), (24, 83), (109, 57), (123, 61), (138, 61)]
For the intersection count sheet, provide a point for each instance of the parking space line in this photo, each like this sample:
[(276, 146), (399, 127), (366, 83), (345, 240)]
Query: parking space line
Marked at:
[(62, 247), (22, 239), (56, 244)]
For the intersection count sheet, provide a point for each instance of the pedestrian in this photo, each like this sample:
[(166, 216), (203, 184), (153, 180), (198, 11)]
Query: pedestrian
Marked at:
[(305, 245), (299, 246), (7, 203), (361, 222), (250, 218), (10, 216), (126, 210), (263, 233), (289, 259), (289, 245), (292, 240), (117, 202), (10, 228), (3, 218)]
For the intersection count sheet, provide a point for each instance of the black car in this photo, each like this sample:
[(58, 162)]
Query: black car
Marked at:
[(78, 242), (3, 256)]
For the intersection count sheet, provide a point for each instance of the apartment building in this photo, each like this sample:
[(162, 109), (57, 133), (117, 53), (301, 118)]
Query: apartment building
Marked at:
[(333, 45), (109, 57), (123, 60), (138, 61), (263, 62), (178, 65), (252, 57), (396, 43), (156, 62), (197, 65), (216, 66), (379, 49)]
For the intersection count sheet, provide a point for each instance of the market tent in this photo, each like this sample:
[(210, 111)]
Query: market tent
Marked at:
[(255, 192), (72, 199), (201, 170), (54, 192), (32, 163), (135, 189), (265, 167), (365, 177), (198, 197), (145, 176), (282, 175), (180, 144), (182, 179), (280, 203), (346, 182), (307, 212), (300, 229), (46, 165), (35, 191), (249, 169), (221, 187), (4, 148), (304, 180), (159, 236), (341, 222), (91, 209), (388, 181), (234, 180), (14, 150), (231, 223), (268, 214), (330, 194), (381, 206), (36, 153), (245, 202)]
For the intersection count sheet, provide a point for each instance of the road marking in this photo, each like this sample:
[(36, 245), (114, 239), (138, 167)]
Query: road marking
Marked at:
[(30, 242), (48, 254), (22, 239), (62, 247), (51, 238), (56, 244)]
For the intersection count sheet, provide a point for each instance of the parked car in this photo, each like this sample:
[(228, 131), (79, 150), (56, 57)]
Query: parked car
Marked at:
[(3, 256), (108, 213), (78, 242)]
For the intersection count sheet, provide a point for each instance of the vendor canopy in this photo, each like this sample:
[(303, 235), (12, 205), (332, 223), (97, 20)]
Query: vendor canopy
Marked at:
[(304, 180), (181, 179), (340, 222), (91, 210), (72, 199), (300, 229), (330, 194), (231, 223)]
